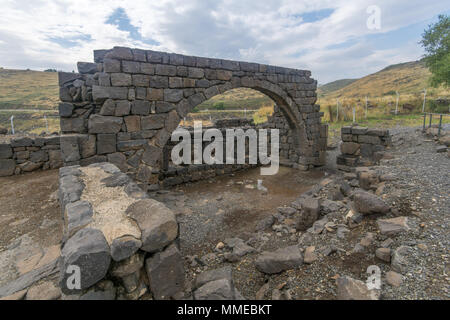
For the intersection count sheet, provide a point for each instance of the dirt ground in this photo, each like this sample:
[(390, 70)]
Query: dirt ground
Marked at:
[(29, 206)]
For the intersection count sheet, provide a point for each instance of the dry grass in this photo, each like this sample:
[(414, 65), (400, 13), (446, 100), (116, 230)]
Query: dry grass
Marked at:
[(26, 89)]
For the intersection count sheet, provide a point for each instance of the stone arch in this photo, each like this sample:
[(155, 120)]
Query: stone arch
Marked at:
[(123, 107)]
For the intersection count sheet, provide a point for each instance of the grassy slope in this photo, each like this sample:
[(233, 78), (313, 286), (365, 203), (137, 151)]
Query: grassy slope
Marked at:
[(22, 89), (333, 86), (406, 78)]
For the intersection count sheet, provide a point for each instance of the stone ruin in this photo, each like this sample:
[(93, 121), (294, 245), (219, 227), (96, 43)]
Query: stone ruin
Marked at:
[(123, 107), (362, 146)]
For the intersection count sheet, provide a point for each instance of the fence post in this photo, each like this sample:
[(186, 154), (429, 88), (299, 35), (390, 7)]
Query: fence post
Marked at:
[(396, 103), (366, 109), (337, 110), (12, 124), (440, 125), (354, 114), (424, 120), (431, 117), (424, 99)]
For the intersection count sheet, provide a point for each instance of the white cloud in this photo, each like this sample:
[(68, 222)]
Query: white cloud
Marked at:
[(262, 31)]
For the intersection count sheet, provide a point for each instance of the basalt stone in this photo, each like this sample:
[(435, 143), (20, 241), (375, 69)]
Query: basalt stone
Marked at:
[(279, 260), (21, 142), (131, 145), (39, 156), (124, 247), (5, 151), (78, 215), (157, 223), (87, 146), (213, 275), (221, 289), (65, 109), (121, 53), (119, 160), (152, 122), (70, 125), (104, 124), (111, 65), (7, 167), (121, 79), (87, 67), (165, 273), (310, 209), (367, 203), (118, 179), (352, 289), (70, 148), (133, 123), (140, 107), (89, 251), (100, 94), (106, 143)]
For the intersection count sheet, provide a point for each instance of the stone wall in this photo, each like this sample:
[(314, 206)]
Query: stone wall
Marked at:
[(124, 244), (362, 146), (124, 107), (25, 154)]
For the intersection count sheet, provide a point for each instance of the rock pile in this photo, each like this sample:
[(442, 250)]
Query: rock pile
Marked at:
[(122, 243)]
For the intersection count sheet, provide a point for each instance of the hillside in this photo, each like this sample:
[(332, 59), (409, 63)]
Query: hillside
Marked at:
[(26, 89), (406, 78), (334, 86)]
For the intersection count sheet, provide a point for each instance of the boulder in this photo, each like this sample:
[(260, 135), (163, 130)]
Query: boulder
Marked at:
[(383, 254), (213, 275), (394, 226), (279, 260), (89, 251), (124, 247), (157, 223), (403, 259), (215, 290), (352, 289), (165, 273), (394, 279), (367, 203), (310, 209)]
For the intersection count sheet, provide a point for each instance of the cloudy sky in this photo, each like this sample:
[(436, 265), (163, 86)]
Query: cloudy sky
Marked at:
[(330, 38)]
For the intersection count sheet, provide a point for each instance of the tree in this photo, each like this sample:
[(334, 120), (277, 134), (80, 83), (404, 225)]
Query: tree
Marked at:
[(436, 42)]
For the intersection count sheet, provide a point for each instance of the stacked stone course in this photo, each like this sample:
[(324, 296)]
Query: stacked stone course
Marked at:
[(362, 146), (25, 154), (124, 244), (124, 107)]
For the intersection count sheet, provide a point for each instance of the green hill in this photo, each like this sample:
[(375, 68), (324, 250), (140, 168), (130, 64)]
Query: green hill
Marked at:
[(406, 78), (26, 89), (333, 86)]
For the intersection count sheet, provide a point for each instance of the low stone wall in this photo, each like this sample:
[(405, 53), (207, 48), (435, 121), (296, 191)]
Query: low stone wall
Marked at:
[(362, 146), (233, 122), (123, 243), (25, 154)]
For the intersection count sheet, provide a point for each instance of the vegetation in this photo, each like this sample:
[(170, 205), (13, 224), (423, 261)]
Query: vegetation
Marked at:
[(436, 41), (333, 86), (22, 89)]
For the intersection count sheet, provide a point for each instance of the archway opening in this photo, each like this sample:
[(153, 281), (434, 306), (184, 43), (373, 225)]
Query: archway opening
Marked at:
[(238, 109)]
